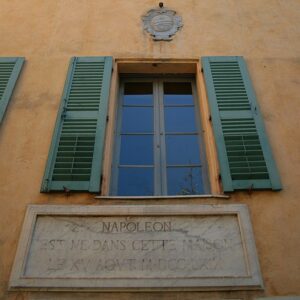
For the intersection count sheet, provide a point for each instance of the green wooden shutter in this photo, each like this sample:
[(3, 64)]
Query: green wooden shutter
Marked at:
[(244, 153), (10, 68), (75, 156)]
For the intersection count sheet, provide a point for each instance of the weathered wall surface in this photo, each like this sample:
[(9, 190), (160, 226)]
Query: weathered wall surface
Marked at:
[(48, 33)]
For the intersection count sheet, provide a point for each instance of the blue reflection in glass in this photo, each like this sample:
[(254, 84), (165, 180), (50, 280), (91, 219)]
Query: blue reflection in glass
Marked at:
[(136, 150), (137, 119), (178, 100), (180, 119), (137, 100), (135, 182), (138, 93), (185, 181), (178, 93), (182, 149)]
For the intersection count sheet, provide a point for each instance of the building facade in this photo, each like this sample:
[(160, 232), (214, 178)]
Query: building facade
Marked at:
[(99, 113)]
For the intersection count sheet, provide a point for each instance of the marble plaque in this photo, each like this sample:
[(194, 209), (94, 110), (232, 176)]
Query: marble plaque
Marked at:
[(143, 247)]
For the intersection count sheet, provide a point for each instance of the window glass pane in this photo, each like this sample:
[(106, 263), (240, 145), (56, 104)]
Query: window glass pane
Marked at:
[(135, 182), (182, 149), (137, 119), (184, 181), (180, 153), (178, 93), (136, 150), (138, 93), (180, 119)]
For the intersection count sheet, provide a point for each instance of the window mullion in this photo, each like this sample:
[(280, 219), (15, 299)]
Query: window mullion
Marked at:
[(162, 134), (156, 137)]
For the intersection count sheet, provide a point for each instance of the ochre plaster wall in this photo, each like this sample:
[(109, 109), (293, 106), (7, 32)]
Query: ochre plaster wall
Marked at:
[(48, 33)]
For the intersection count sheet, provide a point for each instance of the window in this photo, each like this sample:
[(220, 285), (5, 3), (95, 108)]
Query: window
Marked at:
[(157, 148)]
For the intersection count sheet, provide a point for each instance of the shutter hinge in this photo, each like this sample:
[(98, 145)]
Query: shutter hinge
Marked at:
[(219, 177), (250, 189), (101, 181), (107, 118), (201, 70), (209, 118), (67, 191), (45, 185), (64, 112)]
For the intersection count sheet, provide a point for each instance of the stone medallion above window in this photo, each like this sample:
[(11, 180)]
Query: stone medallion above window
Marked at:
[(162, 23)]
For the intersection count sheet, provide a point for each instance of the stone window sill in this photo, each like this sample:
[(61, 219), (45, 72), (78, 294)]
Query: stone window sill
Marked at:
[(161, 197)]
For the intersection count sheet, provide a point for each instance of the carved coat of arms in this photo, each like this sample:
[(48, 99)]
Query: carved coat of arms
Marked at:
[(162, 23)]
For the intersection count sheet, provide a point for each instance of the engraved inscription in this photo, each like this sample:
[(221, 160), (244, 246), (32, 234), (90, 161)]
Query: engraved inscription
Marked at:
[(136, 247), (162, 23)]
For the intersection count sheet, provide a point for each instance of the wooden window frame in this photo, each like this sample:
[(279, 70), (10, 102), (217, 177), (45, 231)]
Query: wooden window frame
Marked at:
[(175, 67), (160, 164)]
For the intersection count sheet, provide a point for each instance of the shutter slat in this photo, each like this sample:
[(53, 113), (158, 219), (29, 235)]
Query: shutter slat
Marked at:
[(243, 149), (76, 155)]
